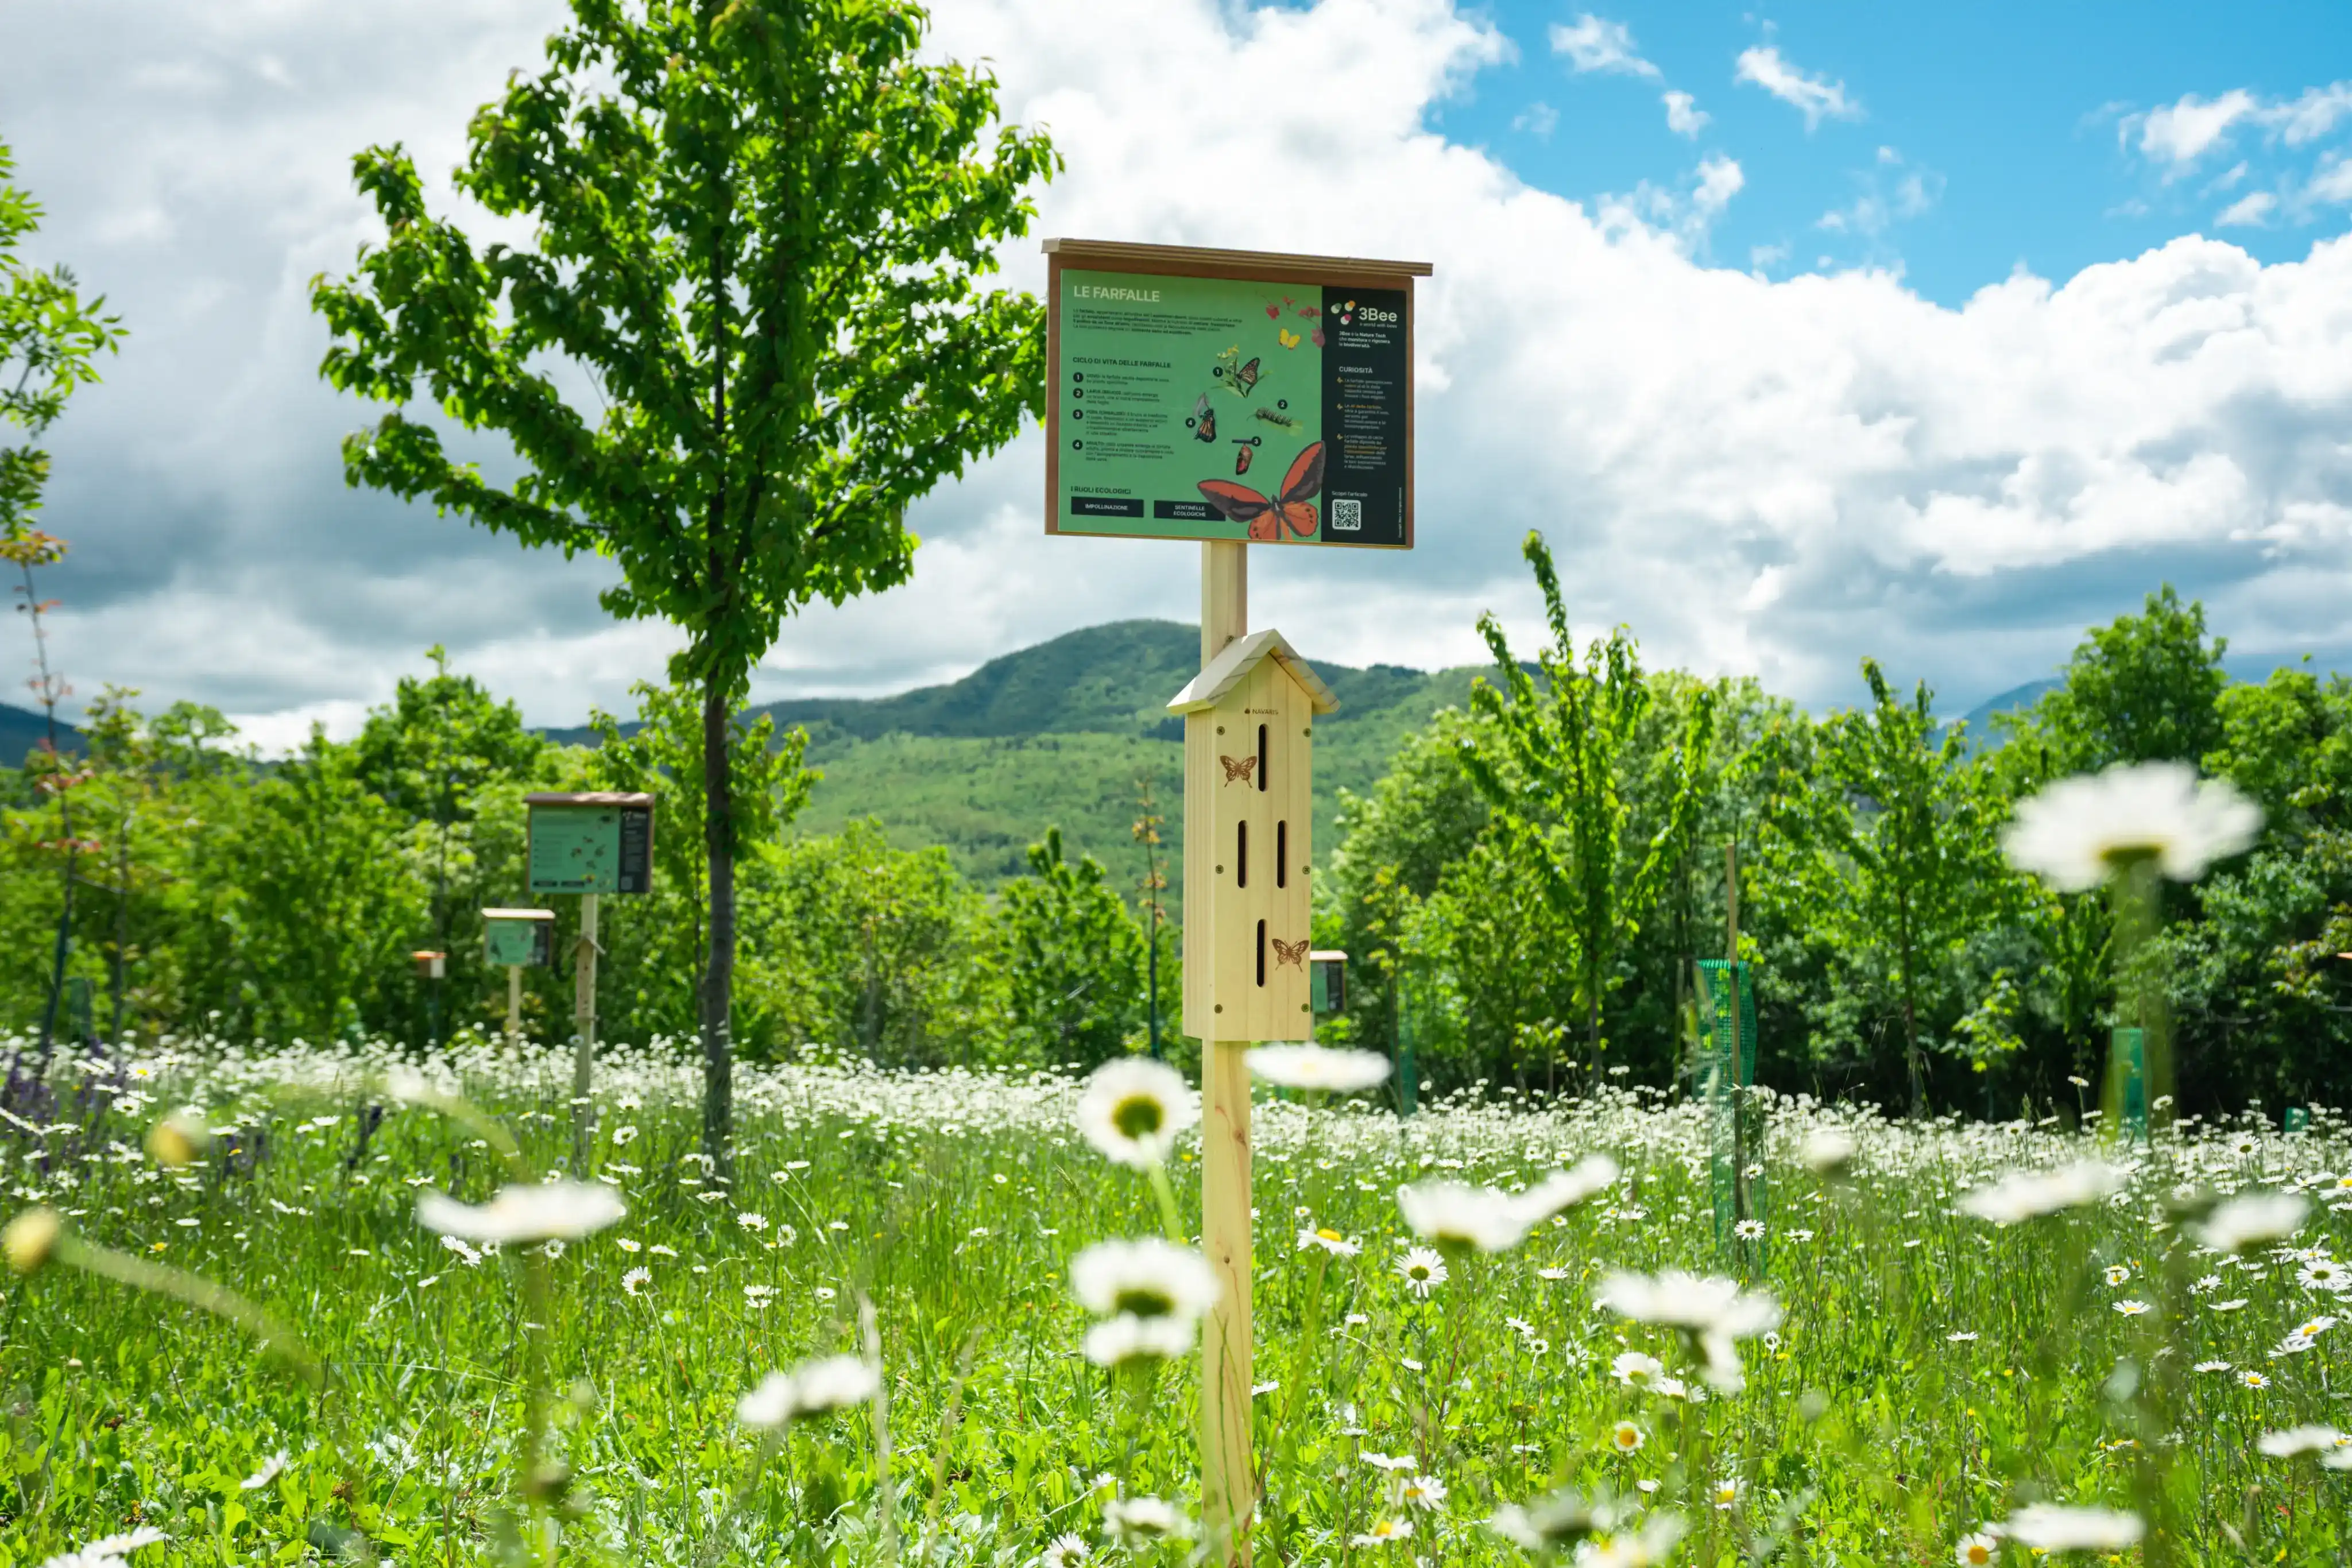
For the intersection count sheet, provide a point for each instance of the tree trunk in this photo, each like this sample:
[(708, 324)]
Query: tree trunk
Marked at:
[(718, 975)]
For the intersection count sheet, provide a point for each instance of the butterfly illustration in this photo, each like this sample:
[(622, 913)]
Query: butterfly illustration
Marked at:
[(1239, 768), (1288, 338), (1242, 452), (1273, 310), (1245, 378), (1289, 952), (1204, 418), (1287, 510)]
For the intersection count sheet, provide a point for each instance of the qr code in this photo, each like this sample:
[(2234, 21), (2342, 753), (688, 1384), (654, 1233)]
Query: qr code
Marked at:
[(1346, 516)]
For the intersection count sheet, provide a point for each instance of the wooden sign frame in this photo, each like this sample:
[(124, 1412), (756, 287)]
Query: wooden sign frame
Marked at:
[(1235, 265)]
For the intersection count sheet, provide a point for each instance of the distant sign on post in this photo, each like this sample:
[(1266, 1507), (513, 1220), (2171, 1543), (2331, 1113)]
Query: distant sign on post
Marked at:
[(519, 936), (1218, 394), (593, 843)]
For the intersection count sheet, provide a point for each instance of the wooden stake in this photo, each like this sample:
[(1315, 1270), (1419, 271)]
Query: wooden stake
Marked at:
[(584, 1018), (1228, 1469), (514, 1007)]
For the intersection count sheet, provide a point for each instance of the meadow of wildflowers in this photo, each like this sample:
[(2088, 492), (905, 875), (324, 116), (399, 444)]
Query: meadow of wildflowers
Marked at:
[(294, 1305)]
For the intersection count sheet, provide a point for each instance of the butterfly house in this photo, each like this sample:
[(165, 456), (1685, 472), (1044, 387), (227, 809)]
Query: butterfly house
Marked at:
[(1249, 741)]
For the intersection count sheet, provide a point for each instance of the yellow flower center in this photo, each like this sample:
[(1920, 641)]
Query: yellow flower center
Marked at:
[(1137, 1116)]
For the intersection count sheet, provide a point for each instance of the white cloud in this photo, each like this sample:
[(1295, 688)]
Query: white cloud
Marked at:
[(2313, 115), (2249, 211), (1887, 197), (2176, 134), (1719, 180), (1816, 97), (2180, 133), (1538, 120), (1683, 115), (1596, 43), (1771, 477), (2333, 183)]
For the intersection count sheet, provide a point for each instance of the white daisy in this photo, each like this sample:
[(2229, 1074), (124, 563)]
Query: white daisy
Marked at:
[(2081, 830), (1319, 1068), (1146, 1279), (1636, 1370), (1133, 1109), (2253, 1221), (1455, 1215), (1563, 1191), (1141, 1520), (2297, 1440), (540, 1211), (1977, 1551), (1423, 1270), (1127, 1340), (1331, 1241), (2027, 1195), (813, 1388), (2047, 1527)]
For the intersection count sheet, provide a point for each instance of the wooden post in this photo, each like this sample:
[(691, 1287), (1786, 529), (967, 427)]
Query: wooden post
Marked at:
[(1228, 1468), (584, 1018), (514, 1007)]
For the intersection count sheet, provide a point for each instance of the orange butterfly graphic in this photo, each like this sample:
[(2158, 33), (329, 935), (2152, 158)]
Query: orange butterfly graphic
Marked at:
[(1289, 952), (1288, 510), (1239, 768), (1245, 378)]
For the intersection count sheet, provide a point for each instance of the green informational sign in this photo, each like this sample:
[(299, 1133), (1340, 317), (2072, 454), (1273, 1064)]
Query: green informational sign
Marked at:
[(2127, 1062), (518, 937), (591, 848), (1209, 408)]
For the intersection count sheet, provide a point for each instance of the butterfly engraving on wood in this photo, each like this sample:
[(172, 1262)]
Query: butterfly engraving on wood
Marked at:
[(1286, 511), (1289, 952), (1239, 768)]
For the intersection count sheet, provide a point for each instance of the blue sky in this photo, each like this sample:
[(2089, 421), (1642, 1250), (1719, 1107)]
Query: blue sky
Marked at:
[(1935, 334), (2011, 116)]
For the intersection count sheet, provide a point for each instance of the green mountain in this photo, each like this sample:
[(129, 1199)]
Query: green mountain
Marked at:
[(1063, 735), (22, 729)]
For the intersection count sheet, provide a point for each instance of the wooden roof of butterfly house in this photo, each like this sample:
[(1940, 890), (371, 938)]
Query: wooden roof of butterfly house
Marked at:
[(1229, 669)]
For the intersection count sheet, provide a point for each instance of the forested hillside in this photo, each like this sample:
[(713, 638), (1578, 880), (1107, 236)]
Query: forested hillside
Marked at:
[(911, 905), (1063, 733)]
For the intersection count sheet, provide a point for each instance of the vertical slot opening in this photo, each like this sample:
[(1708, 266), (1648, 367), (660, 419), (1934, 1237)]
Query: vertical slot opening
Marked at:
[(1240, 854), (1261, 759), (1282, 854), (1261, 952)]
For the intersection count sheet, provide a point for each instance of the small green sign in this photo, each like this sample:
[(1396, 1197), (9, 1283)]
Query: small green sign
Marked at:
[(518, 937), (2298, 1119)]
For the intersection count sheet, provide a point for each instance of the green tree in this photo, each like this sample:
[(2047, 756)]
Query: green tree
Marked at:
[(859, 949), (430, 753), (319, 903), (759, 235), (2143, 688), (1553, 767), (1073, 958), (665, 937), (51, 338), (1897, 852)]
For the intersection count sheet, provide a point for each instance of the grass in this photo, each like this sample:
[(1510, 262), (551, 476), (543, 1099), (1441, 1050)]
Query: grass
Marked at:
[(1933, 1371)]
